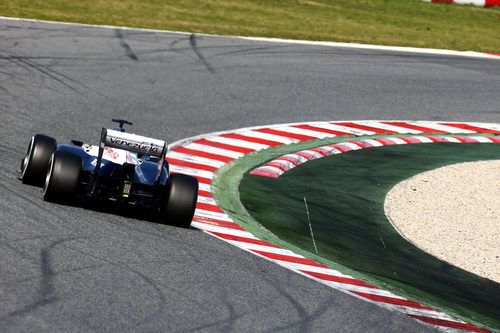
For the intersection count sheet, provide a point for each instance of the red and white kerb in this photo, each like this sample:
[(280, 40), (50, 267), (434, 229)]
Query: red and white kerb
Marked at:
[(479, 3), (279, 166), (202, 156)]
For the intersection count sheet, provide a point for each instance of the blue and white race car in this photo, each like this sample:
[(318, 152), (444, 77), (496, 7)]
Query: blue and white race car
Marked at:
[(124, 167)]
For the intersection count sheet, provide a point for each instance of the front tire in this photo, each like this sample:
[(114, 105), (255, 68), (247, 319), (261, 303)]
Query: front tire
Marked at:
[(178, 209), (62, 177), (36, 162)]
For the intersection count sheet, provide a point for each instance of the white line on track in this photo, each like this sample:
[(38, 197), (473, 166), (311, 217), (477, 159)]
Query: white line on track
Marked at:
[(470, 54)]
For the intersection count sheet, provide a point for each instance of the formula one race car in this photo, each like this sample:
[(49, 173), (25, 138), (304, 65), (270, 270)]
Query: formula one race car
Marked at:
[(124, 167)]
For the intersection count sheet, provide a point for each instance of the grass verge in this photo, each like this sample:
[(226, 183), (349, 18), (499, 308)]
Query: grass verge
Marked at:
[(230, 177), (381, 22)]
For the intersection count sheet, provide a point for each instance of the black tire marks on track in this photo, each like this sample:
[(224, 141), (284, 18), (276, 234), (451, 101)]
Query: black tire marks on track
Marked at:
[(125, 45), (196, 50)]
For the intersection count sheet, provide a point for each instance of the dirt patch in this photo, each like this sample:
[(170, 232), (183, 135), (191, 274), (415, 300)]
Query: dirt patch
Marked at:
[(453, 213)]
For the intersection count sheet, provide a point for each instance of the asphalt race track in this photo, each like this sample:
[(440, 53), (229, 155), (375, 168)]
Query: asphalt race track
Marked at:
[(74, 269)]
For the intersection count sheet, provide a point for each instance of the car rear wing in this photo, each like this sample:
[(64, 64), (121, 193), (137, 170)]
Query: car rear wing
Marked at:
[(135, 143), (131, 142)]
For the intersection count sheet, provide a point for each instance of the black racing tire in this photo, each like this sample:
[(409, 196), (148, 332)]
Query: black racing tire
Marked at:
[(62, 177), (178, 208), (36, 162)]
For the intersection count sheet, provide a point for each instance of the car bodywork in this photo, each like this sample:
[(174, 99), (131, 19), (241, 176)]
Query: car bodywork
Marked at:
[(124, 167), (109, 172)]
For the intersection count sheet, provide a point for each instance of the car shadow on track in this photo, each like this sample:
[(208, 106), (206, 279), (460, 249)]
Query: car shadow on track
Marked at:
[(122, 209)]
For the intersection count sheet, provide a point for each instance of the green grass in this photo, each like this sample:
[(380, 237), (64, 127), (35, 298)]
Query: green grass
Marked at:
[(226, 184), (345, 195), (384, 22)]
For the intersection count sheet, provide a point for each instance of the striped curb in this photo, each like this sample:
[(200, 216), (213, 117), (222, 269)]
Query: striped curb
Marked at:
[(203, 155), (280, 165), (417, 50), (480, 3)]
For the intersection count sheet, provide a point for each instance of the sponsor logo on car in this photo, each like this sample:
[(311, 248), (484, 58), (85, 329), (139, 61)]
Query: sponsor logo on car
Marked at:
[(111, 153), (143, 146)]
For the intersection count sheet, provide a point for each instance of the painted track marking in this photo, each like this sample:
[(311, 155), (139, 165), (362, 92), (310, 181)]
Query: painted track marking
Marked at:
[(280, 165), (212, 219), (416, 50)]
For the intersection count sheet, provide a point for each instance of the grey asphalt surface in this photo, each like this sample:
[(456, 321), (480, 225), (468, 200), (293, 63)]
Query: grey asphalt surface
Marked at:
[(74, 269)]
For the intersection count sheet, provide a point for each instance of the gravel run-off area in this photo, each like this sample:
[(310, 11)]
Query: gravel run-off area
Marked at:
[(453, 213)]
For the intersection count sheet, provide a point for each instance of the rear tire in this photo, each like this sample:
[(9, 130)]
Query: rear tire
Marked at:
[(178, 209), (36, 162), (62, 177)]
